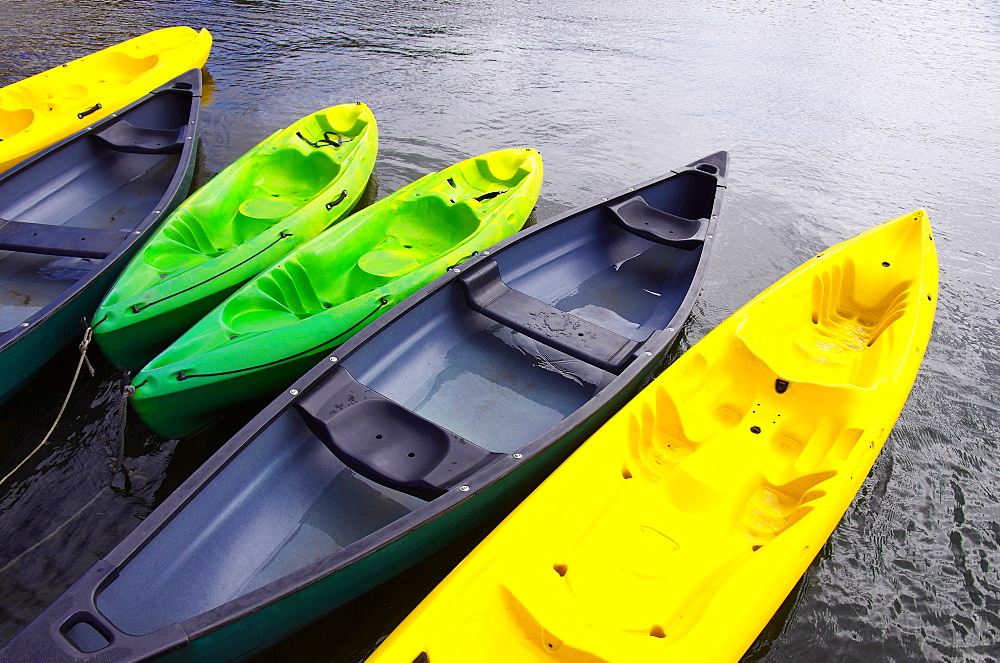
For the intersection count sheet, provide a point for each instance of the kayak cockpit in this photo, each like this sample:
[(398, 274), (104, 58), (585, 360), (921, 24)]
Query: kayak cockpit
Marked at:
[(858, 313)]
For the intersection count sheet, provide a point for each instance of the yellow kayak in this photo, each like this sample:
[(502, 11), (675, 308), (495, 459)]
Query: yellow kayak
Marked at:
[(676, 531), (45, 108)]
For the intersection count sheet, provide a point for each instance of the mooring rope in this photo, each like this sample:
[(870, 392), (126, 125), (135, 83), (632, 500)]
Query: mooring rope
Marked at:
[(84, 344), (119, 463)]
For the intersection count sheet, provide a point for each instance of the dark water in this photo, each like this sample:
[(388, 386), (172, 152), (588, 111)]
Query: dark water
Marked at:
[(837, 114)]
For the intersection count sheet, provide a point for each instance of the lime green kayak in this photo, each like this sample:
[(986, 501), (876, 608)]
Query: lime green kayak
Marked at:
[(279, 324), (272, 200)]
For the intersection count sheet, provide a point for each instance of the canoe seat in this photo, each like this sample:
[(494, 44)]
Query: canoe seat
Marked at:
[(385, 442), (58, 240), (487, 294), (125, 137), (636, 216)]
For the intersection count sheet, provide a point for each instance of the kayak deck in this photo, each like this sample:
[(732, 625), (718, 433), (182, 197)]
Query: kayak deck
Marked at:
[(41, 110), (278, 325), (275, 198)]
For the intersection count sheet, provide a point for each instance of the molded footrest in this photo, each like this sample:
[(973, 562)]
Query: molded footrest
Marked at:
[(58, 240), (125, 137), (636, 216), (385, 442), (489, 295)]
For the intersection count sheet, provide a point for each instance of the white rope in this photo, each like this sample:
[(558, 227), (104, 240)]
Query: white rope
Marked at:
[(84, 344)]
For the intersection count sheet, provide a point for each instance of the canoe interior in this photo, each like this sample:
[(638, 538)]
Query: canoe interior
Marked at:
[(286, 500), (88, 187)]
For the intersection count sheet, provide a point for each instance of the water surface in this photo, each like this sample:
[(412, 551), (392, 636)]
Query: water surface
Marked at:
[(838, 115)]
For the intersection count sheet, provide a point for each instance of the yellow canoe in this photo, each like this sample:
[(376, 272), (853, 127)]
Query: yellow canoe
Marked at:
[(45, 108), (675, 532)]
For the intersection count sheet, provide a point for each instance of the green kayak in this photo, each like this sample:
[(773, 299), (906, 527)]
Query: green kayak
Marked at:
[(279, 324), (273, 199)]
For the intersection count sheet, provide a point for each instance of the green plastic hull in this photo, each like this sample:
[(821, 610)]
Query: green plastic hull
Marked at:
[(276, 327), (275, 198)]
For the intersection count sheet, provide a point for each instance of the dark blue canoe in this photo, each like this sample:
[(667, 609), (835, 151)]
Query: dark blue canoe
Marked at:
[(445, 412), (72, 215)]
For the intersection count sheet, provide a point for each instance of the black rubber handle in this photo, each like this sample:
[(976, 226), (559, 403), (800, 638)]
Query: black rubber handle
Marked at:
[(92, 109)]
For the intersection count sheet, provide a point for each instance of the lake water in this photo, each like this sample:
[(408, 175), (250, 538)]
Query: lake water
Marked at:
[(837, 115)]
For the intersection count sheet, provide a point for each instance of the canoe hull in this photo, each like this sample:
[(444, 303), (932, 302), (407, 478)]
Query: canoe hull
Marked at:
[(40, 334), (294, 571)]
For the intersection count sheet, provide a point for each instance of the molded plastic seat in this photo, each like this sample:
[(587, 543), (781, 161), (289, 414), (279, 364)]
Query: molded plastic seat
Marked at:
[(53, 240), (125, 137), (636, 216), (387, 443), (489, 295)]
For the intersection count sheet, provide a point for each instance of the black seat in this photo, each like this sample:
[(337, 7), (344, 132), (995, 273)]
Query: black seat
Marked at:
[(125, 137), (636, 216), (58, 240), (487, 294), (385, 442)]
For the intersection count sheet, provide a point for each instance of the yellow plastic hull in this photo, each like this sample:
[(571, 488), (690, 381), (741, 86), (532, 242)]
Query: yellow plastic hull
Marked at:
[(45, 108), (678, 529)]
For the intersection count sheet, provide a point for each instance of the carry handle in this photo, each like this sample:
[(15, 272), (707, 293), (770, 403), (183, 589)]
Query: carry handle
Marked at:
[(72, 629), (92, 109)]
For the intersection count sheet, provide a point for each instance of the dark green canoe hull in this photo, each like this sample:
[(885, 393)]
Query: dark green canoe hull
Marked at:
[(112, 193), (385, 453)]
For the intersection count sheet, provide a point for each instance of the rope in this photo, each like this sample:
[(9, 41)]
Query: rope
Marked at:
[(119, 463), (325, 140), (54, 532), (84, 344)]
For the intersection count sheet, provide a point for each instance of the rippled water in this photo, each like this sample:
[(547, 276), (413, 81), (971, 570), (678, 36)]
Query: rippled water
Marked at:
[(837, 115)]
